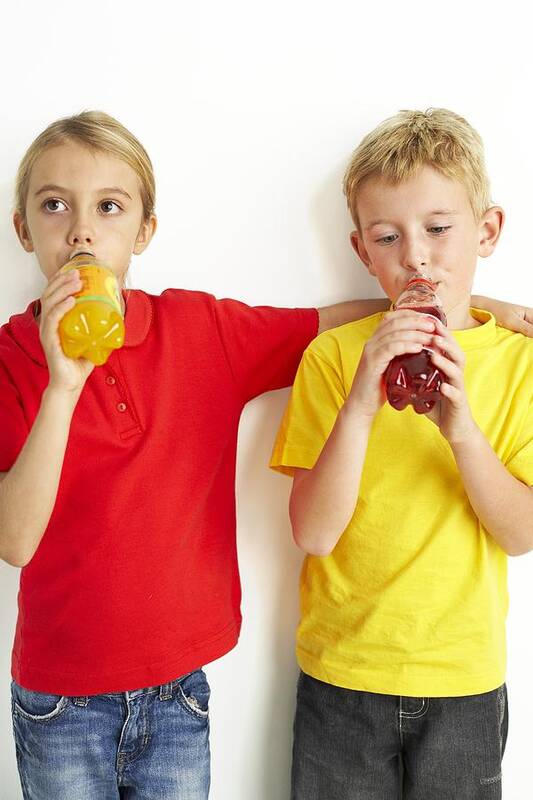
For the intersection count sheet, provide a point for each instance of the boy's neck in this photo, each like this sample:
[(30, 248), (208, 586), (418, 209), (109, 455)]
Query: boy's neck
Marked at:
[(459, 317)]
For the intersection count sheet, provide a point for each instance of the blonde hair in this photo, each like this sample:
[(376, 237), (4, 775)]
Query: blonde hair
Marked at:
[(402, 144), (96, 131)]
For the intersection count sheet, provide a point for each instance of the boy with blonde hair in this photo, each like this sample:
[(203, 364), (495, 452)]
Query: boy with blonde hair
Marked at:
[(407, 519)]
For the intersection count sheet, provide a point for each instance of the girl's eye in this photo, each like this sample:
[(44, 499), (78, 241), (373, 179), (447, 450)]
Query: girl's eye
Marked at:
[(439, 229), (53, 205), (109, 207)]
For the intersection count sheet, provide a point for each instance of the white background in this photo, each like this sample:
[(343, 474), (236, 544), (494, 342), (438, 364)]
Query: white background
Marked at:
[(250, 112)]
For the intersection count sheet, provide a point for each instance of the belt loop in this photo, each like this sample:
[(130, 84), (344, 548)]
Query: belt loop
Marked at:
[(165, 691), (80, 701)]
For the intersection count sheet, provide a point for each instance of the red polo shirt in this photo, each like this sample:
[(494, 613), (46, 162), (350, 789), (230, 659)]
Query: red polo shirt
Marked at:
[(135, 581)]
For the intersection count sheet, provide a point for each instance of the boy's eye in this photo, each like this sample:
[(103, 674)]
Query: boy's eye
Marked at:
[(438, 229), (389, 239), (53, 205), (109, 207)]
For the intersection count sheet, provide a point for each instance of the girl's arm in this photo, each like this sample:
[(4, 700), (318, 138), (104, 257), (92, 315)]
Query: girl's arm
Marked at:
[(508, 315), (341, 313), (28, 491)]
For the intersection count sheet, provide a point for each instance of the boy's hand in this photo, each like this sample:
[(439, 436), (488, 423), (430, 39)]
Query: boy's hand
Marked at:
[(399, 332), (65, 373), (452, 412)]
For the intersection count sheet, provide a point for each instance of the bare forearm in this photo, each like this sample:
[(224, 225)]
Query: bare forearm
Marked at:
[(28, 491), (513, 316), (503, 504), (341, 313), (323, 499)]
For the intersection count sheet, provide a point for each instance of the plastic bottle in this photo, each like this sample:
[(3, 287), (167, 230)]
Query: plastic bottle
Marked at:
[(412, 378), (95, 325)]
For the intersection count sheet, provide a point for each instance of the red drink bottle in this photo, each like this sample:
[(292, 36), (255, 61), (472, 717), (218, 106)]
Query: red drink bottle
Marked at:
[(412, 378)]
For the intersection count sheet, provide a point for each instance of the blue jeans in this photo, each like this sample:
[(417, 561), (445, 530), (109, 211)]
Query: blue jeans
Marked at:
[(147, 744), (351, 745)]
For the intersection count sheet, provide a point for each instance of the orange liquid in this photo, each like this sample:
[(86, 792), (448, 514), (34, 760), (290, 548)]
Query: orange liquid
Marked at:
[(94, 327), (412, 378)]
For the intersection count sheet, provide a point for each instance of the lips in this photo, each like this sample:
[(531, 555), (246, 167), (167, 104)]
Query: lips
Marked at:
[(81, 253)]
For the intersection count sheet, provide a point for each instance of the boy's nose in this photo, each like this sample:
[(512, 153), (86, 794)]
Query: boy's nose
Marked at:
[(415, 260), (418, 263)]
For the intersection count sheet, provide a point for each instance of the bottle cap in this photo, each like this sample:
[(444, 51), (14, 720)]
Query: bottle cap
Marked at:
[(421, 279)]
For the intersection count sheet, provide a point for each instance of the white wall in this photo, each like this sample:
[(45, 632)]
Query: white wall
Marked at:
[(250, 112)]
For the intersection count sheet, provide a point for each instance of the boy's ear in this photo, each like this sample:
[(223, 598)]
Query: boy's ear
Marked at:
[(23, 232), (359, 247), (144, 237), (490, 228)]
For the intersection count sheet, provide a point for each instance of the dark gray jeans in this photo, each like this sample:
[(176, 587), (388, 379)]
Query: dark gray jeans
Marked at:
[(351, 745)]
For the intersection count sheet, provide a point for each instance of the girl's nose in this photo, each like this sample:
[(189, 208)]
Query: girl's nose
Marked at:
[(81, 232)]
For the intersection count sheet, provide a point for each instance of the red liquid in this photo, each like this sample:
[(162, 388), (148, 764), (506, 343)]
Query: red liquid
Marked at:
[(412, 379)]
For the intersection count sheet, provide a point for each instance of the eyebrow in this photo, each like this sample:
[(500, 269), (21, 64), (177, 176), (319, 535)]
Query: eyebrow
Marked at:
[(448, 212), (52, 187)]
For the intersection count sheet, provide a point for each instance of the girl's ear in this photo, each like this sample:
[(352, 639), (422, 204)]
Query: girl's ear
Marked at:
[(144, 237), (23, 232), (490, 228), (359, 247)]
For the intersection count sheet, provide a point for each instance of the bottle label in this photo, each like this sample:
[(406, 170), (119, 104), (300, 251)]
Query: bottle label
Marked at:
[(98, 284)]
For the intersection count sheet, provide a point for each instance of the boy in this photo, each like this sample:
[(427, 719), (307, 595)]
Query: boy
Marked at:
[(407, 521)]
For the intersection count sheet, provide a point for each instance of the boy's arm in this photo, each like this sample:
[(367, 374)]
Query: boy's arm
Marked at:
[(502, 503), (508, 315), (323, 498)]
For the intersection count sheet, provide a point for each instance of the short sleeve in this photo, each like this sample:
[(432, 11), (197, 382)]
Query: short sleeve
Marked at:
[(263, 344), (317, 396), (13, 425), (521, 462)]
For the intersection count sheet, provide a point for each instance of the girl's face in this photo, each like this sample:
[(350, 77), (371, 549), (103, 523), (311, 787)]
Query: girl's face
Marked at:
[(83, 201)]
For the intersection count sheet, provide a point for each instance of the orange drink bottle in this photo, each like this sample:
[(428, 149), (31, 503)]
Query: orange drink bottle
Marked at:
[(95, 325)]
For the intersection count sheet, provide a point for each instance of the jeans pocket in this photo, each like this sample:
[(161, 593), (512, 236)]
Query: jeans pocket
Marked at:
[(193, 694), (36, 706), (503, 716)]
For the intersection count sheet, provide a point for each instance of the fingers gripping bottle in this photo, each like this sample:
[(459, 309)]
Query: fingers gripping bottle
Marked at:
[(412, 378), (95, 325)]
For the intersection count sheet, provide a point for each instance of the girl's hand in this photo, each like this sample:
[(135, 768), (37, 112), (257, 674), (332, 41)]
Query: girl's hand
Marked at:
[(508, 315), (399, 332), (65, 373), (452, 411)]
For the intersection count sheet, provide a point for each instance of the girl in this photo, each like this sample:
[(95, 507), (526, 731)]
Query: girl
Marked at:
[(117, 485)]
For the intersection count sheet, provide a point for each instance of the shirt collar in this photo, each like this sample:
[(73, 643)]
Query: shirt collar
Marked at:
[(137, 321), (480, 336)]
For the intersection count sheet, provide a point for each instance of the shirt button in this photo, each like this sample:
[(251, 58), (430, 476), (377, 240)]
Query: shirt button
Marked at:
[(121, 407), (110, 380)]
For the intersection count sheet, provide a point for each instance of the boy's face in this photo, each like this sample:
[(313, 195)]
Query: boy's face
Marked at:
[(83, 201), (424, 224)]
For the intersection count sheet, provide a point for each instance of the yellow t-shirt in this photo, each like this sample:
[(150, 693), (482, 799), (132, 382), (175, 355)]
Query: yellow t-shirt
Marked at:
[(412, 600)]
